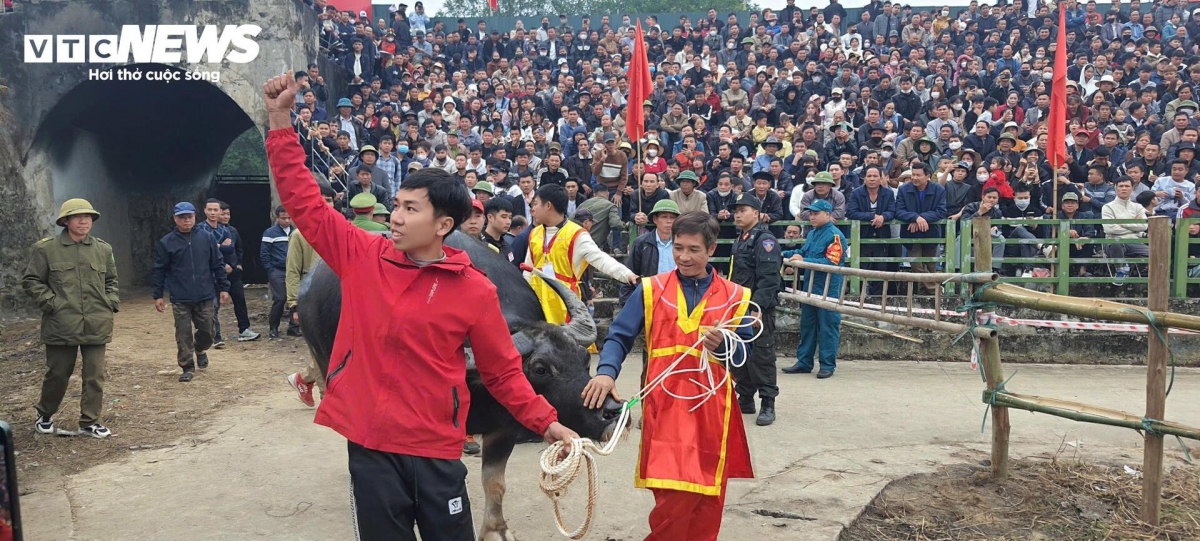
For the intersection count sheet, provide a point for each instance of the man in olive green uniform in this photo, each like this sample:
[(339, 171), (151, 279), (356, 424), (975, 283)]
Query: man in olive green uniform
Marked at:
[(73, 278), (363, 206), (301, 259)]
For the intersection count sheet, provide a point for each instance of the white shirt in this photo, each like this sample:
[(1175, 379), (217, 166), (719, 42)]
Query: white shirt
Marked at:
[(586, 250)]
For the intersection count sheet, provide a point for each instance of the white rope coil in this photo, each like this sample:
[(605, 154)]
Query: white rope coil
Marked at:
[(558, 475)]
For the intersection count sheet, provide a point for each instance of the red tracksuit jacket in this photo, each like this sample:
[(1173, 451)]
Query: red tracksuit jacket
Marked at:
[(397, 377)]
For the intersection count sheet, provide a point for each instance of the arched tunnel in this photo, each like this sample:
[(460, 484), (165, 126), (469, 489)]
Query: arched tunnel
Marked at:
[(133, 149)]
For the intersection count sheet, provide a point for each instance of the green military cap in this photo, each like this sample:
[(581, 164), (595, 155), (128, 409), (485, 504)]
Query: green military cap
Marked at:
[(823, 176), (485, 187), (747, 39), (363, 201), (687, 175), (74, 207), (380, 209), (666, 205)]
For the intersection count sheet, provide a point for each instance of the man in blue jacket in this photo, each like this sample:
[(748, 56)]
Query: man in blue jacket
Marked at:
[(220, 233), (920, 204), (873, 205), (188, 264), (825, 245), (273, 255)]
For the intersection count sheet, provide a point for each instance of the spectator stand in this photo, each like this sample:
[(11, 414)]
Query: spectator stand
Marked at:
[(956, 253)]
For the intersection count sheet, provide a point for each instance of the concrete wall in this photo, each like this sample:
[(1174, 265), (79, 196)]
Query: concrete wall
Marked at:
[(131, 149)]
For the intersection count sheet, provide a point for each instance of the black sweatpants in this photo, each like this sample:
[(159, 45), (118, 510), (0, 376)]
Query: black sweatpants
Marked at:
[(390, 492), (759, 375)]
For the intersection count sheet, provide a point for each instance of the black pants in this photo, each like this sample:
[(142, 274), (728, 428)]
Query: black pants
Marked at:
[(390, 492), (759, 374), (237, 291)]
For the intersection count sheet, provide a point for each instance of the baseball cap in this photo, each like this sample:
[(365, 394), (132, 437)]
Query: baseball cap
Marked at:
[(583, 215), (747, 200), (477, 204), (819, 205), (184, 208)]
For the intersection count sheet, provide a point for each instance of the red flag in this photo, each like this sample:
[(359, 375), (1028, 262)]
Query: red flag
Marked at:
[(1056, 136), (640, 86), (494, 4)]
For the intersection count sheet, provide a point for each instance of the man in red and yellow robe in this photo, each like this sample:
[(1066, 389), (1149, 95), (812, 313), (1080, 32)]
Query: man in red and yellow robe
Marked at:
[(686, 457)]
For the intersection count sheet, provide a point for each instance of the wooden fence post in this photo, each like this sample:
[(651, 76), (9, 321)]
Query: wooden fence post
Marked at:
[(1156, 366), (989, 351)]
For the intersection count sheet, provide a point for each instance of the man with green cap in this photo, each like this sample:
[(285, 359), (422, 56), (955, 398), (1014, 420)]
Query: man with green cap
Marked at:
[(363, 206), (755, 265), (825, 245), (687, 197), (651, 253), (483, 191), (73, 279), (381, 214), (822, 190)]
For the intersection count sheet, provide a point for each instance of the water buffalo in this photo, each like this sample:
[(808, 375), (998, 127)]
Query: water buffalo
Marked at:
[(555, 360)]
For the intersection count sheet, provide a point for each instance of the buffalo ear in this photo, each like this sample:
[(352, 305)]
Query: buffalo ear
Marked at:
[(523, 343)]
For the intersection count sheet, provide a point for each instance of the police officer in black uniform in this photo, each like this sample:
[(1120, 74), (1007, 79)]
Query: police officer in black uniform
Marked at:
[(756, 263)]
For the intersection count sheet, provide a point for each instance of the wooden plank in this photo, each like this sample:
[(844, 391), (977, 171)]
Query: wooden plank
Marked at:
[(1156, 366), (989, 350)]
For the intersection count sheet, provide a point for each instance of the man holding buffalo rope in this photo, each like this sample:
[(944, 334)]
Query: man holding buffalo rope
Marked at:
[(399, 393), (687, 457)]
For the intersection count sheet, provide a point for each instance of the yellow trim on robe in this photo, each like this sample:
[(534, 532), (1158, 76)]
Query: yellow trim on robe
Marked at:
[(684, 322)]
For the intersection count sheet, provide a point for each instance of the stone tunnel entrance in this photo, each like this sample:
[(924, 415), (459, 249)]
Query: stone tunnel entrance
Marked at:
[(134, 149)]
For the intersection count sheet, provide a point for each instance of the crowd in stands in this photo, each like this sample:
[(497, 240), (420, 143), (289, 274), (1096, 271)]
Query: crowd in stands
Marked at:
[(897, 114)]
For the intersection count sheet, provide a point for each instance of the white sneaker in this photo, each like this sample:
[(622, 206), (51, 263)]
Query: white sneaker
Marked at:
[(96, 430), (248, 336)]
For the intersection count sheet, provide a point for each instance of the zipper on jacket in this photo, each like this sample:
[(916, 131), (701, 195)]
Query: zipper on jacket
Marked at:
[(454, 394), (336, 371)]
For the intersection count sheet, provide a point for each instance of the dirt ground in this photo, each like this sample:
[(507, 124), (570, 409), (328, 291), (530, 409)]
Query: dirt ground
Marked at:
[(145, 405), (235, 444), (1059, 499)]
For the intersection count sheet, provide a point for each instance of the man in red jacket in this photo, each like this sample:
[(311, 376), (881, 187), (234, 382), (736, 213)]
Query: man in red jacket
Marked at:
[(397, 386)]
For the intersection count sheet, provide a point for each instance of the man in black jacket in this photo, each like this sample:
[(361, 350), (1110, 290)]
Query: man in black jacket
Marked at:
[(237, 289), (651, 253), (188, 265), (908, 105)]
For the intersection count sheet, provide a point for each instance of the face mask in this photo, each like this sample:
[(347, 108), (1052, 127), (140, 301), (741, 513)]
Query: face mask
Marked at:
[(545, 25), (945, 14), (955, 145), (886, 154), (1021, 203), (894, 63), (402, 149), (712, 32), (1047, 76), (653, 153), (981, 177), (729, 45), (909, 91), (816, 78), (935, 95), (956, 106)]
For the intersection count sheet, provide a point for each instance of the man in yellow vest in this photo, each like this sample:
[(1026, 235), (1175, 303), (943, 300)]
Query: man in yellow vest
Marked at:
[(562, 249), (687, 455)]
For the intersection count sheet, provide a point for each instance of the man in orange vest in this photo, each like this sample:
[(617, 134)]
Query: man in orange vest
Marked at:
[(561, 248), (687, 456)]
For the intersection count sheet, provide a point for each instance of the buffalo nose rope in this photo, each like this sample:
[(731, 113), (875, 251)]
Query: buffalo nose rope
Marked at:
[(559, 474)]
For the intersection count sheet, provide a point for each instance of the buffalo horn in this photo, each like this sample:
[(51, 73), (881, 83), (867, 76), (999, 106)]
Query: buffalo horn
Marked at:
[(523, 343), (581, 328)]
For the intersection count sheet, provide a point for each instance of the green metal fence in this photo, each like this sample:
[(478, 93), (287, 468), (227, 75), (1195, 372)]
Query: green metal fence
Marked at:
[(955, 251)]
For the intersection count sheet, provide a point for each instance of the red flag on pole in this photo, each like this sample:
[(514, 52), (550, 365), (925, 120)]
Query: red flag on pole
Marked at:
[(494, 4), (1056, 136), (640, 86)]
